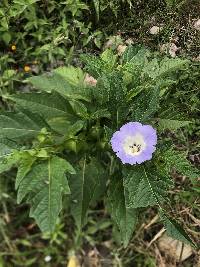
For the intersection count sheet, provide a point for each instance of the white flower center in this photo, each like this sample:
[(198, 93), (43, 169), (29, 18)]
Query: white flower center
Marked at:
[(134, 145)]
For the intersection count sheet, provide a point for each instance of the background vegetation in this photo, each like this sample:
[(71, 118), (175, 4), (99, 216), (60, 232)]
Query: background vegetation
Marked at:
[(36, 36)]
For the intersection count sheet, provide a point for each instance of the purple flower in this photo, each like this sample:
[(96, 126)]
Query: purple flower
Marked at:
[(134, 142)]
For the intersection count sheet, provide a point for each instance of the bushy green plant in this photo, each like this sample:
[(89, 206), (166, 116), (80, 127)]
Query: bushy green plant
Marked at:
[(36, 35), (175, 3), (59, 140), (42, 30), (48, 32)]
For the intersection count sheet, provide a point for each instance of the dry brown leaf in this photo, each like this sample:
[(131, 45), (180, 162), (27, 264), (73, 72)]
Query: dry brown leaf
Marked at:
[(159, 234), (155, 218), (92, 259), (174, 248)]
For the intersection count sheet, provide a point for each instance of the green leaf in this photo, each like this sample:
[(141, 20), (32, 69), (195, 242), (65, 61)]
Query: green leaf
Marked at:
[(144, 187), (8, 162), (47, 105), (108, 133), (86, 187), (74, 128), (110, 92), (100, 113), (136, 55), (59, 124), (172, 119), (24, 168), (125, 218), (96, 4), (66, 128), (20, 126), (156, 69), (6, 147), (79, 108), (8, 74), (74, 76), (67, 81), (175, 230), (44, 186), (109, 59), (93, 65), (145, 105), (97, 66), (6, 37), (172, 125), (177, 160)]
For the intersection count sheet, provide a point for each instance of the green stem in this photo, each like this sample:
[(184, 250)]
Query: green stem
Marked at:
[(117, 118)]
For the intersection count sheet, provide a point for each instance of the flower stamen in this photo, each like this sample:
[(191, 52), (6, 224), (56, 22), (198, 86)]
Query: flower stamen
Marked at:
[(135, 148)]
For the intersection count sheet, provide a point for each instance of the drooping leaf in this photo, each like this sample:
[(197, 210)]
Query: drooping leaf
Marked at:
[(44, 186), (175, 230), (20, 126), (24, 168), (6, 147), (73, 75), (46, 104), (75, 128), (125, 218), (79, 108), (86, 186), (67, 81), (144, 187)]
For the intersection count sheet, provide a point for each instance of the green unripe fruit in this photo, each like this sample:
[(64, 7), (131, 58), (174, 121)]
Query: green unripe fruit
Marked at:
[(95, 132), (71, 145), (102, 144)]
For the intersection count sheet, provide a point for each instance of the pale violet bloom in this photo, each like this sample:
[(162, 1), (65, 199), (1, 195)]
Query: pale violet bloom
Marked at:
[(134, 142)]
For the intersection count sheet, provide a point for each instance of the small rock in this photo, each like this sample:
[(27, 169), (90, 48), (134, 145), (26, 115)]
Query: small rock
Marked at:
[(108, 44), (197, 25), (129, 41), (173, 49), (113, 42), (121, 49), (90, 80), (169, 48), (155, 30), (197, 58)]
